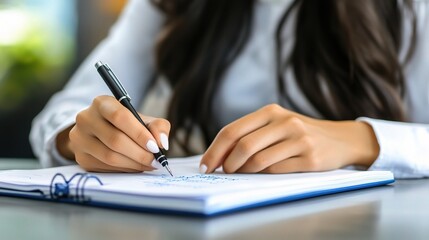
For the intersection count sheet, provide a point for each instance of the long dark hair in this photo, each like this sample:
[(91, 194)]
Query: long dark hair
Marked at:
[(345, 58)]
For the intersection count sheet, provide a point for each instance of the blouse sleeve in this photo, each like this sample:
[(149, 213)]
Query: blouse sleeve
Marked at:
[(404, 148), (128, 49)]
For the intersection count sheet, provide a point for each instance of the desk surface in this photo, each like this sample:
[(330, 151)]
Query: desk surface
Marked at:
[(400, 211)]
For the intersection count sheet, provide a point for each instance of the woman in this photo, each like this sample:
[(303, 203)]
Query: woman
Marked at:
[(272, 86)]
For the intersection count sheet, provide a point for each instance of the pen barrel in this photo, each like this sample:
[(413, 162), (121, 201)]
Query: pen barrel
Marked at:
[(122, 96), (112, 82), (127, 104), (159, 156)]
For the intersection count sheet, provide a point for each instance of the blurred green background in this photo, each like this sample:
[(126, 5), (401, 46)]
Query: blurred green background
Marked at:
[(41, 44)]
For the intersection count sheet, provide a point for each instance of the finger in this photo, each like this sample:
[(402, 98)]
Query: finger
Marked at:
[(253, 143), (121, 143), (124, 120), (94, 147), (228, 137), (91, 164), (160, 129), (290, 165), (282, 151), (114, 159)]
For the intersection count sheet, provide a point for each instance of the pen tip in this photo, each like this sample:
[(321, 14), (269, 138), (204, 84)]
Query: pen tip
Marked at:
[(169, 171)]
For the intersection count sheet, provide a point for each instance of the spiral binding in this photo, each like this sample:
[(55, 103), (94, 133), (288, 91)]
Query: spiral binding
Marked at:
[(61, 189)]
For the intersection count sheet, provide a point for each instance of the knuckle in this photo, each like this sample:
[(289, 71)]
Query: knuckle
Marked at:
[(258, 161), (227, 133), (73, 134), (100, 100), (97, 101), (296, 123), (141, 136), (116, 116), (160, 123), (272, 108), (307, 142), (245, 147), (163, 123), (114, 141), (167, 123), (80, 118)]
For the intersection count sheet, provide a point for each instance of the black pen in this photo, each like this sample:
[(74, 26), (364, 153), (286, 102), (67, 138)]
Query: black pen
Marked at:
[(121, 94)]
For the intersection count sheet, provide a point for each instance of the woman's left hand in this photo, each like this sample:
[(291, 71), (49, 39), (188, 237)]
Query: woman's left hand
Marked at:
[(276, 140)]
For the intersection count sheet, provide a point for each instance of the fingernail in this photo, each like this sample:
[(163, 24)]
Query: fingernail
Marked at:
[(203, 168), (151, 146), (155, 164), (164, 141)]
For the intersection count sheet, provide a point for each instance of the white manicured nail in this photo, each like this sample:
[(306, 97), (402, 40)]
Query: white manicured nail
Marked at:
[(151, 146), (203, 169), (164, 141), (155, 164)]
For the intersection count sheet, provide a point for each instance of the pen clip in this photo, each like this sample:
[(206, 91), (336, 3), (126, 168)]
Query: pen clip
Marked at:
[(118, 83)]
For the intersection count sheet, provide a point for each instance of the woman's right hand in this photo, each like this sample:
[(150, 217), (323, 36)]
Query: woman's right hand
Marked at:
[(108, 138)]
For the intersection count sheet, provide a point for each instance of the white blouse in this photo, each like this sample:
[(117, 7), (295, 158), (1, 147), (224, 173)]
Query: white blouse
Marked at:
[(249, 84)]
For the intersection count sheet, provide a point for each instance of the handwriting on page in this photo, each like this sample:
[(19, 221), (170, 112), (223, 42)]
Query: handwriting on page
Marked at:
[(193, 181)]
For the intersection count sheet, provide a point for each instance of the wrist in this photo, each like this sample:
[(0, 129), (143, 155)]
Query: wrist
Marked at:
[(63, 144), (367, 147)]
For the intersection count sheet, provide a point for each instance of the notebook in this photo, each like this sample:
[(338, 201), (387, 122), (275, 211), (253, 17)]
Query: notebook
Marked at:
[(188, 192)]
